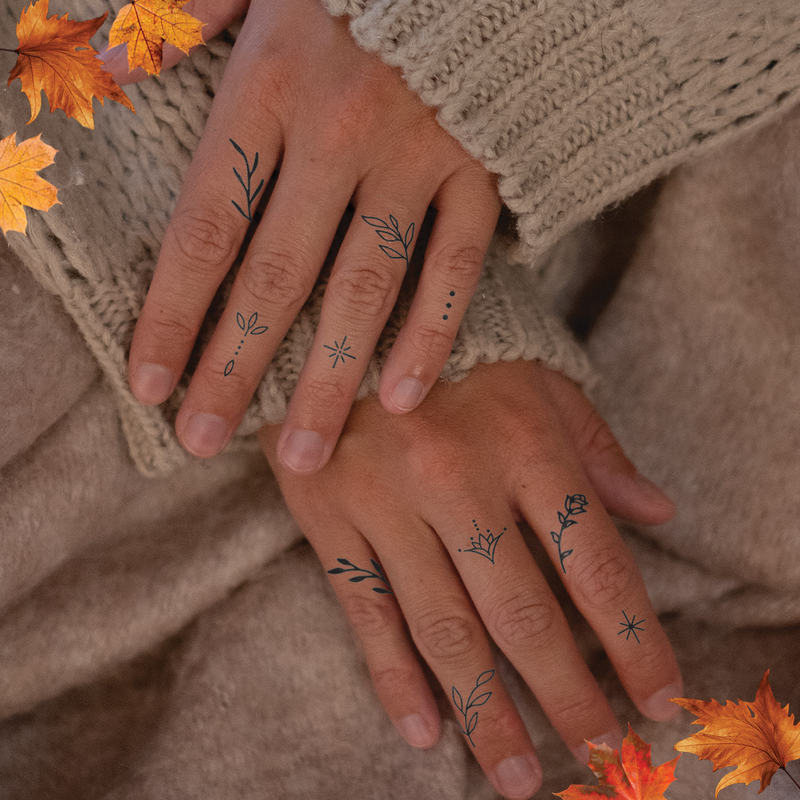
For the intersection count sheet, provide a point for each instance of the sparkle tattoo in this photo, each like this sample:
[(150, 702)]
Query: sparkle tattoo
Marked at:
[(247, 329), (631, 626), (574, 504), (390, 232), (365, 574), (484, 545), (471, 722), (339, 352), (251, 195)]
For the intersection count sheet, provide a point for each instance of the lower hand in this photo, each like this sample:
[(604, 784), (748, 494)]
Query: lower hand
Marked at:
[(425, 506)]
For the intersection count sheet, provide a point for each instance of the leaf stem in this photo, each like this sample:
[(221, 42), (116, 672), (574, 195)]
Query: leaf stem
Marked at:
[(9, 50), (790, 776)]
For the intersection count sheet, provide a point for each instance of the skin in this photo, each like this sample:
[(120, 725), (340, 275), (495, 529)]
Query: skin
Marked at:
[(342, 128), (531, 439)]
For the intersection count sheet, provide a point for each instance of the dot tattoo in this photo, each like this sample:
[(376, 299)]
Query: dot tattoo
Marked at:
[(484, 545), (247, 329), (631, 626), (391, 233), (471, 722), (449, 305), (377, 575), (251, 196), (574, 504), (339, 352)]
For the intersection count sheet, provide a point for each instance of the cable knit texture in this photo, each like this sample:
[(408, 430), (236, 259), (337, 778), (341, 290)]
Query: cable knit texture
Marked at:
[(578, 104)]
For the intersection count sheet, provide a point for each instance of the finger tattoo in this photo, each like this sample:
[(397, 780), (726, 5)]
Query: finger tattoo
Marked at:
[(631, 626), (471, 721), (363, 574), (251, 195), (390, 232), (574, 504), (247, 329), (339, 351), (484, 545)]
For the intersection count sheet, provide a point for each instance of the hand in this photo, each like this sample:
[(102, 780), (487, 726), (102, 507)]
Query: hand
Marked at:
[(343, 128), (425, 505)]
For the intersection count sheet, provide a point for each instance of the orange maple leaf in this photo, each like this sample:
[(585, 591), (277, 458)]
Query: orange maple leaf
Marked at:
[(20, 185), (55, 57), (757, 738), (144, 25), (628, 774)]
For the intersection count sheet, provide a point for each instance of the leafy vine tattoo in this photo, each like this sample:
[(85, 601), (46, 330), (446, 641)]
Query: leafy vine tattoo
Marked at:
[(574, 504), (251, 196), (391, 233), (484, 545), (377, 575), (631, 626), (339, 352), (249, 328), (470, 723)]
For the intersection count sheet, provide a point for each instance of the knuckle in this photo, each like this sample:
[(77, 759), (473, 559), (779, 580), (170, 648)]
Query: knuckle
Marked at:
[(434, 462), (573, 706), (604, 579), (443, 636), (370, 618), (202, 240), (521, 620), (595, 437), (462, 263), (275, 279), (167, 332), (388, 680), (326, 393), (431, 343), (365, 290)]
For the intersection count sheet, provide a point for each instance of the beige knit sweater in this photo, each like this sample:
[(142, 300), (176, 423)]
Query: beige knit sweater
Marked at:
[(575, 103)]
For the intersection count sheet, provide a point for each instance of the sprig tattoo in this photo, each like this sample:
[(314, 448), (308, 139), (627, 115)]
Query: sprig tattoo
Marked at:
[(251, 196), (484, 545), (574, 504), (391, 233), (470, 723), (248, 328), (377, 575)]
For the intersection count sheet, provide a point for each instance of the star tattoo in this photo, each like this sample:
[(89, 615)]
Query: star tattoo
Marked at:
[(631, 626), (339, 352)]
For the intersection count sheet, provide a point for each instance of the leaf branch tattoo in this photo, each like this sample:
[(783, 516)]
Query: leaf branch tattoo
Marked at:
[(574, 504), (471, 722), (247, 186), (391, 233), (484, 545), (249, 328), (378, 574)]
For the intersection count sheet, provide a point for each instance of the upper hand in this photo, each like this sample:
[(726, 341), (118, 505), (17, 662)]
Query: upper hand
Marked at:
[(300, 96), (404, 502)]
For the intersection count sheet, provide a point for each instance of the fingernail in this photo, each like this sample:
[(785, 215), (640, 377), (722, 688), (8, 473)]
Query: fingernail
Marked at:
[(613, 739), (302, 451), (152, 384), (204, 435), (415, 730), (518, 777), (659, 708), (407, 394), (651, 491)]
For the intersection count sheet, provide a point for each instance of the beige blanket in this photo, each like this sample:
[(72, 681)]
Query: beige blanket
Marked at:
[(175, 638)]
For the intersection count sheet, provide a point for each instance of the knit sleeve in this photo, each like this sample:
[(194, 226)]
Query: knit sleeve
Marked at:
[(576, 104)]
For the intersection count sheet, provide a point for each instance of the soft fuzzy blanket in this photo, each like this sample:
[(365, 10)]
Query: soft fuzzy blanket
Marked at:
[(175, 638)]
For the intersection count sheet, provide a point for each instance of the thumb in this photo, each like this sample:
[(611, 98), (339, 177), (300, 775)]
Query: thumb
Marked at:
[(621, 488), (216, 14)]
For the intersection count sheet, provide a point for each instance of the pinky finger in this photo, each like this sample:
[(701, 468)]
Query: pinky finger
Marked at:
[(468, 208)]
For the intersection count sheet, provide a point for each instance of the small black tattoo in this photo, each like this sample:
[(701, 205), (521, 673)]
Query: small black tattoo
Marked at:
[(249, 328), (484, 545), (631, 626), (449, 305), (339, 352), (378, 574), (247, 186), (573, 505), (391, 233), (470, 724)]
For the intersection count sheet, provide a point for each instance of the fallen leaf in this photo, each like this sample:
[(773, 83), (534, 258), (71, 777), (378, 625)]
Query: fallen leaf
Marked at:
[(20, 185), (757, 738), (55, 57), (629, 774), (144, 25)]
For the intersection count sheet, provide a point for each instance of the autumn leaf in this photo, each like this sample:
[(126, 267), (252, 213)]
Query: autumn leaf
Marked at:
[(20, 185), (55, 57), (757, 738), (627, 775), (144, 25)]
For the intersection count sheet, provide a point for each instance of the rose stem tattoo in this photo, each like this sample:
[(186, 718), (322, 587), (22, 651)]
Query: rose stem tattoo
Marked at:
[(469, 725), (631, 626), (574, 504), (247, 186), (391, 233), (486, 545), (378, 574), (249, 328), (339, 352)]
